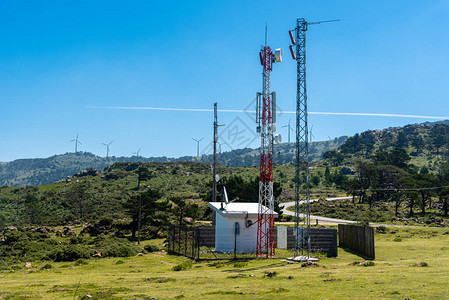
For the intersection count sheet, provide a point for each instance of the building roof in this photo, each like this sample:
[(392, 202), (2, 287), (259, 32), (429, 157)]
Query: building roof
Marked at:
[(238, 209)]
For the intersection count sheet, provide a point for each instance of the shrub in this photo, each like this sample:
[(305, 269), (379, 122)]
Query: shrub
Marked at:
[(151, 248), (114, 247), (240, 264), (271, 274), (362, 222), (74, 240), (368, 264), (69, 253), (183, 266), (381, 229), (15, 236), (422, 264), (80, 262), (46, 267)]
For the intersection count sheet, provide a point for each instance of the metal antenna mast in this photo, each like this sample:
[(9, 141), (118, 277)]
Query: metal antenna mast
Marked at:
[(265, 117), (216, 178), (302, 142)]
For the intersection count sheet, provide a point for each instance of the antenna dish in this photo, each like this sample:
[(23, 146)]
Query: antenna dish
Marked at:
[(217, 177), (278, 55), (277, 138)]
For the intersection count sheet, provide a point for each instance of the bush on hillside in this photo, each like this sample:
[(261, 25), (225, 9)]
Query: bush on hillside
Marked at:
[(28, 244), (114, 247), (151, 248), (69, 253)]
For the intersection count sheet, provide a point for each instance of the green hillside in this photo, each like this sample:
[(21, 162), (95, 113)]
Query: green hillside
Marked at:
[(426, 143), (91, 195), (401, 170)]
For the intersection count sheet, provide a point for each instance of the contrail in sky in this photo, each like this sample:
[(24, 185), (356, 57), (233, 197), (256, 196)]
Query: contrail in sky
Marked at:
[(281, 112)]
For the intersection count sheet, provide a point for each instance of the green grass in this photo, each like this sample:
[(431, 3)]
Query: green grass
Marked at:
[(415, 268)]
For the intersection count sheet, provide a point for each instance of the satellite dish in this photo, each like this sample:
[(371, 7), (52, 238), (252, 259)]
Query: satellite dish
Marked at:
[(277, 138), (217, 177), (278, 55)]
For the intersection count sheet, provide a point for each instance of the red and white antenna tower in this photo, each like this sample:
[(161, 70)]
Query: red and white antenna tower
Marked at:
[(266, 118)]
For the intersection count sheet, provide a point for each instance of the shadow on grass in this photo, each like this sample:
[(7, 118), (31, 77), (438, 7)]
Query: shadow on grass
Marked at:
[(357, 254), (279, 264)]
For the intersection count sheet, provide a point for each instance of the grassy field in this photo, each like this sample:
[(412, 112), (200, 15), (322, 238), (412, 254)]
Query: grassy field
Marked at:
[(411, 263)]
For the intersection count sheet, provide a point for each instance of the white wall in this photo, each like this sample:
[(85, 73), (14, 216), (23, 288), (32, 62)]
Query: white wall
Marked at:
[(224, 235)]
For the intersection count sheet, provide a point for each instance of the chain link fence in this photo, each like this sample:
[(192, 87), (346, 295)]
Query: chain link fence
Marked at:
[(198, 243)]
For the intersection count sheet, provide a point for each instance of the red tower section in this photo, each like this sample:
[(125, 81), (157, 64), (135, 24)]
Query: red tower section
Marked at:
[(265, 223)]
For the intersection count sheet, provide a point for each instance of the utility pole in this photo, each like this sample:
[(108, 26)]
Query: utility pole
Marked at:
[(302, 244), (215, 176), (139, 219)]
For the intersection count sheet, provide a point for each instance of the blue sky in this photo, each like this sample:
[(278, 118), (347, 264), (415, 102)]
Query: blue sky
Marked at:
[(59, 59)]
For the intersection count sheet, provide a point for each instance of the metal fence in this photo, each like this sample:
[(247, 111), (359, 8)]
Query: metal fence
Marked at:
[(198, 243), (359, 239)]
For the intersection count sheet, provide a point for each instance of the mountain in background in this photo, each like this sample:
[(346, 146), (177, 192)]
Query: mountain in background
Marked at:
[(41, 171), (427, 144)]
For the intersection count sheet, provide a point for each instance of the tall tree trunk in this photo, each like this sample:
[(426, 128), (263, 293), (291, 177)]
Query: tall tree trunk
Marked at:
[(412, 203), (423, 203), (445, 205), (396, 207)]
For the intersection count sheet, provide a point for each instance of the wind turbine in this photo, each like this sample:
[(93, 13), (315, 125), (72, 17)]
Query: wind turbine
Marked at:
[(219, 146), (137, 153), (197, 146), (311, 134), (107, 148), (76, 142), (289, 129)]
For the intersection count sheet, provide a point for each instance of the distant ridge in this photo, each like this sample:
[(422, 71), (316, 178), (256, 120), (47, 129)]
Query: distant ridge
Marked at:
[(42, 171), (430, 138)]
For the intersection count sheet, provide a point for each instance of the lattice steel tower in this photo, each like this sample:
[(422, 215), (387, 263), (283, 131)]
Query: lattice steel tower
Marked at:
[(265, 114), (302, 193)]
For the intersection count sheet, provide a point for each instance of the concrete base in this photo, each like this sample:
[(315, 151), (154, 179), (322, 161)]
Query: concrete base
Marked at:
[(302, 258)]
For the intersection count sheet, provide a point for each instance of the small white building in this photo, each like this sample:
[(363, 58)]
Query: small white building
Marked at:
[(227, 217)]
